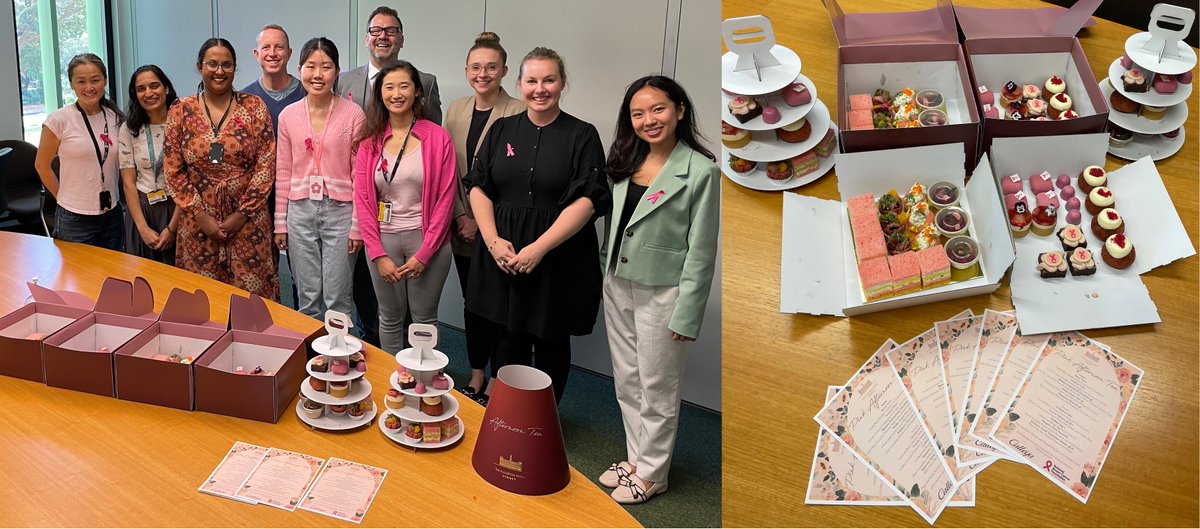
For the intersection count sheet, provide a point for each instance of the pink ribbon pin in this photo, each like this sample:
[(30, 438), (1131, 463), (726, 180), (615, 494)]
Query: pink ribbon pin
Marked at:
[(510, 151), (383, 165), (654, 198), (104, 138), (308, 144), (238, 120), (1048, 466)]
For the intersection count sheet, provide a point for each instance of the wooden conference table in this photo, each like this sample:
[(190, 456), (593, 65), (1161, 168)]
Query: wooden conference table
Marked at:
[(75, 459), (776, 366)]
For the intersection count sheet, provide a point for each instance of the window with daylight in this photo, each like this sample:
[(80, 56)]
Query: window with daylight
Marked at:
[(49, 33)]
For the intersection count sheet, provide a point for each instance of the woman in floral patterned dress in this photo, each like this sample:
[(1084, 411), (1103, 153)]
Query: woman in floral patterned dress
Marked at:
[(220, 165)]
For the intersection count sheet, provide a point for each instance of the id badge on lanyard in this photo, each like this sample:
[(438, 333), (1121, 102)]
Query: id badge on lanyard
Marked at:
[(385, 212)]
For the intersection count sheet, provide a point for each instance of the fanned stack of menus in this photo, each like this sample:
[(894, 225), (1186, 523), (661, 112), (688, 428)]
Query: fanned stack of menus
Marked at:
[(919, 420)]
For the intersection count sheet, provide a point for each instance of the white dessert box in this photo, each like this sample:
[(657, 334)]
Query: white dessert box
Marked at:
[(80, 356), (50, 311), (819, 269), (1111, 297), (182, 329)]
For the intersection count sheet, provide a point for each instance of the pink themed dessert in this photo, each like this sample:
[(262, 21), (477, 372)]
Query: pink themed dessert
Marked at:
[(744, 108), (1040, 183), (1011, 201), (990, 111), (420, 388), (1184, 78), (1054, 86), (361, 367), (1118, 252), (393, 400), (1047, 198), (906, 273), (1126, 62), (1082, 262), (1031, 92), (828, 144), (1165, 84), (1058, 104), (440, 382), (1070, 114), (935, 266), (1134, 81), (869, 246), (1092, 176), (986, 97), (804, 164), (1107, 224), (876, 278), (1099, 199), (860, 102), (1063, 180), (406, 380), (771, 115), (1074, 216), (1073, 204), (1066, 192), (1011, 93), (1052, 264), (796, 94), (860, 120), (1071, 237), (1011, 184), (1034, 108), (1172, 134), (339, 367)]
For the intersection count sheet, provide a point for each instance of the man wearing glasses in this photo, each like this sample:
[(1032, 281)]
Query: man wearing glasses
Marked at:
[(385, 37)]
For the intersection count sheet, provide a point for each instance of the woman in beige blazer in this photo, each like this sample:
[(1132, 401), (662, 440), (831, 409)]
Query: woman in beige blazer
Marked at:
[(662, 244), (468, 121)]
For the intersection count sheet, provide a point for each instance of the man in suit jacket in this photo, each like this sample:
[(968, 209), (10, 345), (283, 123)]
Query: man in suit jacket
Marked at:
[(384, 45)]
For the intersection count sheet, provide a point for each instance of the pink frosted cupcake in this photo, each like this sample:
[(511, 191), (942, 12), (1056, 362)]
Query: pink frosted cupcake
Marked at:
[(1054, 86), (1058, 104)]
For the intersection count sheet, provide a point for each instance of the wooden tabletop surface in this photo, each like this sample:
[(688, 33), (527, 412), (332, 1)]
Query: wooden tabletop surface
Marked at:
[(776, 366), (76, 459)]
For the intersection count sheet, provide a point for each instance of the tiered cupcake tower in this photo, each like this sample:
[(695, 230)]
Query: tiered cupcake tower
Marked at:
[(420, 410), (1164, 62), (339, 362), (765, 73)]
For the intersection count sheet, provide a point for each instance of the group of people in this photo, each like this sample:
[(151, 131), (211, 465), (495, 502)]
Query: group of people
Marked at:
[(354, 175)]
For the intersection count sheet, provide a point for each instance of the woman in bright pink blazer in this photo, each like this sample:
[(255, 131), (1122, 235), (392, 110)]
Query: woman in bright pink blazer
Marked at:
[(403, 197)]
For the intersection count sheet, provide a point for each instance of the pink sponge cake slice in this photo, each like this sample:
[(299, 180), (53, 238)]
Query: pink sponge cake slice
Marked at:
[(869, 245), (804, 164), (906, 273), (935, 266), (860, 120), (876, 278)]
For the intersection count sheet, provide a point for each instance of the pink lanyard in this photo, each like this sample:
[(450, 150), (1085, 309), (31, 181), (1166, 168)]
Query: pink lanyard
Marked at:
[(320, 146)]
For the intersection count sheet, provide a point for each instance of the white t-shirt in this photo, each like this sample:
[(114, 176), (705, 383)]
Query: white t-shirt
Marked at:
[(79, 173), (404, 192), (134, 155)]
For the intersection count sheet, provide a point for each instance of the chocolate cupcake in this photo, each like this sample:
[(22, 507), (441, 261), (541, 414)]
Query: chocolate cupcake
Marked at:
[(1107, 224), (1118, 252), (1098, 199)]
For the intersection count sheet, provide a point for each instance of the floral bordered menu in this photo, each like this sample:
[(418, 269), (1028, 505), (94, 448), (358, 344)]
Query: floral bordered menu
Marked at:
[(344, 490)]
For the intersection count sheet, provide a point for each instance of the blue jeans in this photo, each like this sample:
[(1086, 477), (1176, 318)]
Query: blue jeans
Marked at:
[(106, 230), (318, 235)]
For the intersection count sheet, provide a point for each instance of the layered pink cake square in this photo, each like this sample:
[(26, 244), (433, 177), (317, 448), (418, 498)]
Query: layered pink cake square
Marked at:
[(906, 273), (860, 120), (935, 266), (876, 278), (869, 245), (804, 164), (860, 102), (828, 144)]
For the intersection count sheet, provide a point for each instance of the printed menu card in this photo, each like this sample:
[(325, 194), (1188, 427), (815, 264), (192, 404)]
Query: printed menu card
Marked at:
[(344, 490), (957, 341), (997, 331), (1065, 416), (281, 478), (838, 477), (1016, 363), (873, 418), (233, 470)]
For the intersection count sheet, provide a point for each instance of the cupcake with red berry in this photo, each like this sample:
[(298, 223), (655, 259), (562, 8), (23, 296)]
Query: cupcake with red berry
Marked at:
[(1054, 86), (1098, 199), (1107, 224), (1091, 177), (1118, 252), (1057, 105)]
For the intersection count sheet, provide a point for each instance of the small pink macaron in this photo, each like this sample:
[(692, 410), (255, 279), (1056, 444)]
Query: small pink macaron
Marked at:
[(770, 115), (1063, 180), (361, 367), (1126, 62), (1073, 204), (1073, 216), (1066, 192), (420, 389)]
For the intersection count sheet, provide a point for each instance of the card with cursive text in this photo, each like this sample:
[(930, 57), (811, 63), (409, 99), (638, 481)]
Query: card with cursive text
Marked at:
[(957, 341), (1065, 416), (839, 477), (281, 478), (997, 330), (344, 490), (871, 416), (917, 363), (1017, 361)]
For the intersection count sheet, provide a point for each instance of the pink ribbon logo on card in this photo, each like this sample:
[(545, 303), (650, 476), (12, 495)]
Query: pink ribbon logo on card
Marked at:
[(1049, 465), (510, 150)]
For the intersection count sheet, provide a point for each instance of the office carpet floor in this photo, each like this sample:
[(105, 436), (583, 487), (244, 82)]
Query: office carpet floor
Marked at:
[(595, 438)]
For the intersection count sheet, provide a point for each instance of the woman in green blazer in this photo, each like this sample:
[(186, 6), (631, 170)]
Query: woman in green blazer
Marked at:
[(662, 242)]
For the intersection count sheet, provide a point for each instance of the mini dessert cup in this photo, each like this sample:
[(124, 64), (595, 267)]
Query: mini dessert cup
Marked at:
[(963, 253), (931, 99), (932, 118), (951, 222), (943, 195)]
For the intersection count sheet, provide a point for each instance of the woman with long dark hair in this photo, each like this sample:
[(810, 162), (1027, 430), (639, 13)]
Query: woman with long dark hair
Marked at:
[(220, 165), (314, 185), (83, 136), (151, 219), (537, 187), (403, 197), (662, 242)]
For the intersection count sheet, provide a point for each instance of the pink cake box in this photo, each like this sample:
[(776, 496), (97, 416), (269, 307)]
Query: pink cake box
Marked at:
[(144, 372), (80, 356), (20, 352), (917, 50), (253, 340), (1029, 46)]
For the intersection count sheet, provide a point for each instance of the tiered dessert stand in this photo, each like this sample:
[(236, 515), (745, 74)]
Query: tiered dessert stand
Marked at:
[(761, 69), (337, 345), (423, 362), (1156, 51)]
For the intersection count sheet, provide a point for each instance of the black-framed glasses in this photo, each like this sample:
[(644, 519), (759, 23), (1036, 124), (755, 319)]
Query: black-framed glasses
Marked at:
[(376, 31)]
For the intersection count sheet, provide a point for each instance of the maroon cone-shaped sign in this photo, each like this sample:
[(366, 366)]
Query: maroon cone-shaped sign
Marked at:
[(520, 446)]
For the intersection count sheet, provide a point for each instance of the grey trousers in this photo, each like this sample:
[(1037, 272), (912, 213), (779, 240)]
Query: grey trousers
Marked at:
[(419, 296), (318, 237)]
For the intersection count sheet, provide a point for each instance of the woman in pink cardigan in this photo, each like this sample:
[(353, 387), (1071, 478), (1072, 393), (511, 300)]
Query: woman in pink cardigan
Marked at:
[(403, 198)]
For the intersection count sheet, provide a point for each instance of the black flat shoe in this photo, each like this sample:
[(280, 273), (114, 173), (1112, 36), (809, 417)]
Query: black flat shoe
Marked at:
[(482, 399), (471, 392)]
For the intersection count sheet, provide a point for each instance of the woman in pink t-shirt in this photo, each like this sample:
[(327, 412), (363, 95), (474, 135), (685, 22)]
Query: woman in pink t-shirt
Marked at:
[(84, 137), (403, 197)]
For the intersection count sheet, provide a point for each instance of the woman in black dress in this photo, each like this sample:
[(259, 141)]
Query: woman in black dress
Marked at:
[(537, 187)]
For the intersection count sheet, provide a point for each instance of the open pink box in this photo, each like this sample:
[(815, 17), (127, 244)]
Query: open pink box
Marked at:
[(183, 329), (1028, 46), (917, 50), (72, 357), (20, 350), (253, 341)]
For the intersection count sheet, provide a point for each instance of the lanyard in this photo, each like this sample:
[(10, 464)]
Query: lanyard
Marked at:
[(383, 162), (217, 127), (155, 166), (92, 135), (319, 148)]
